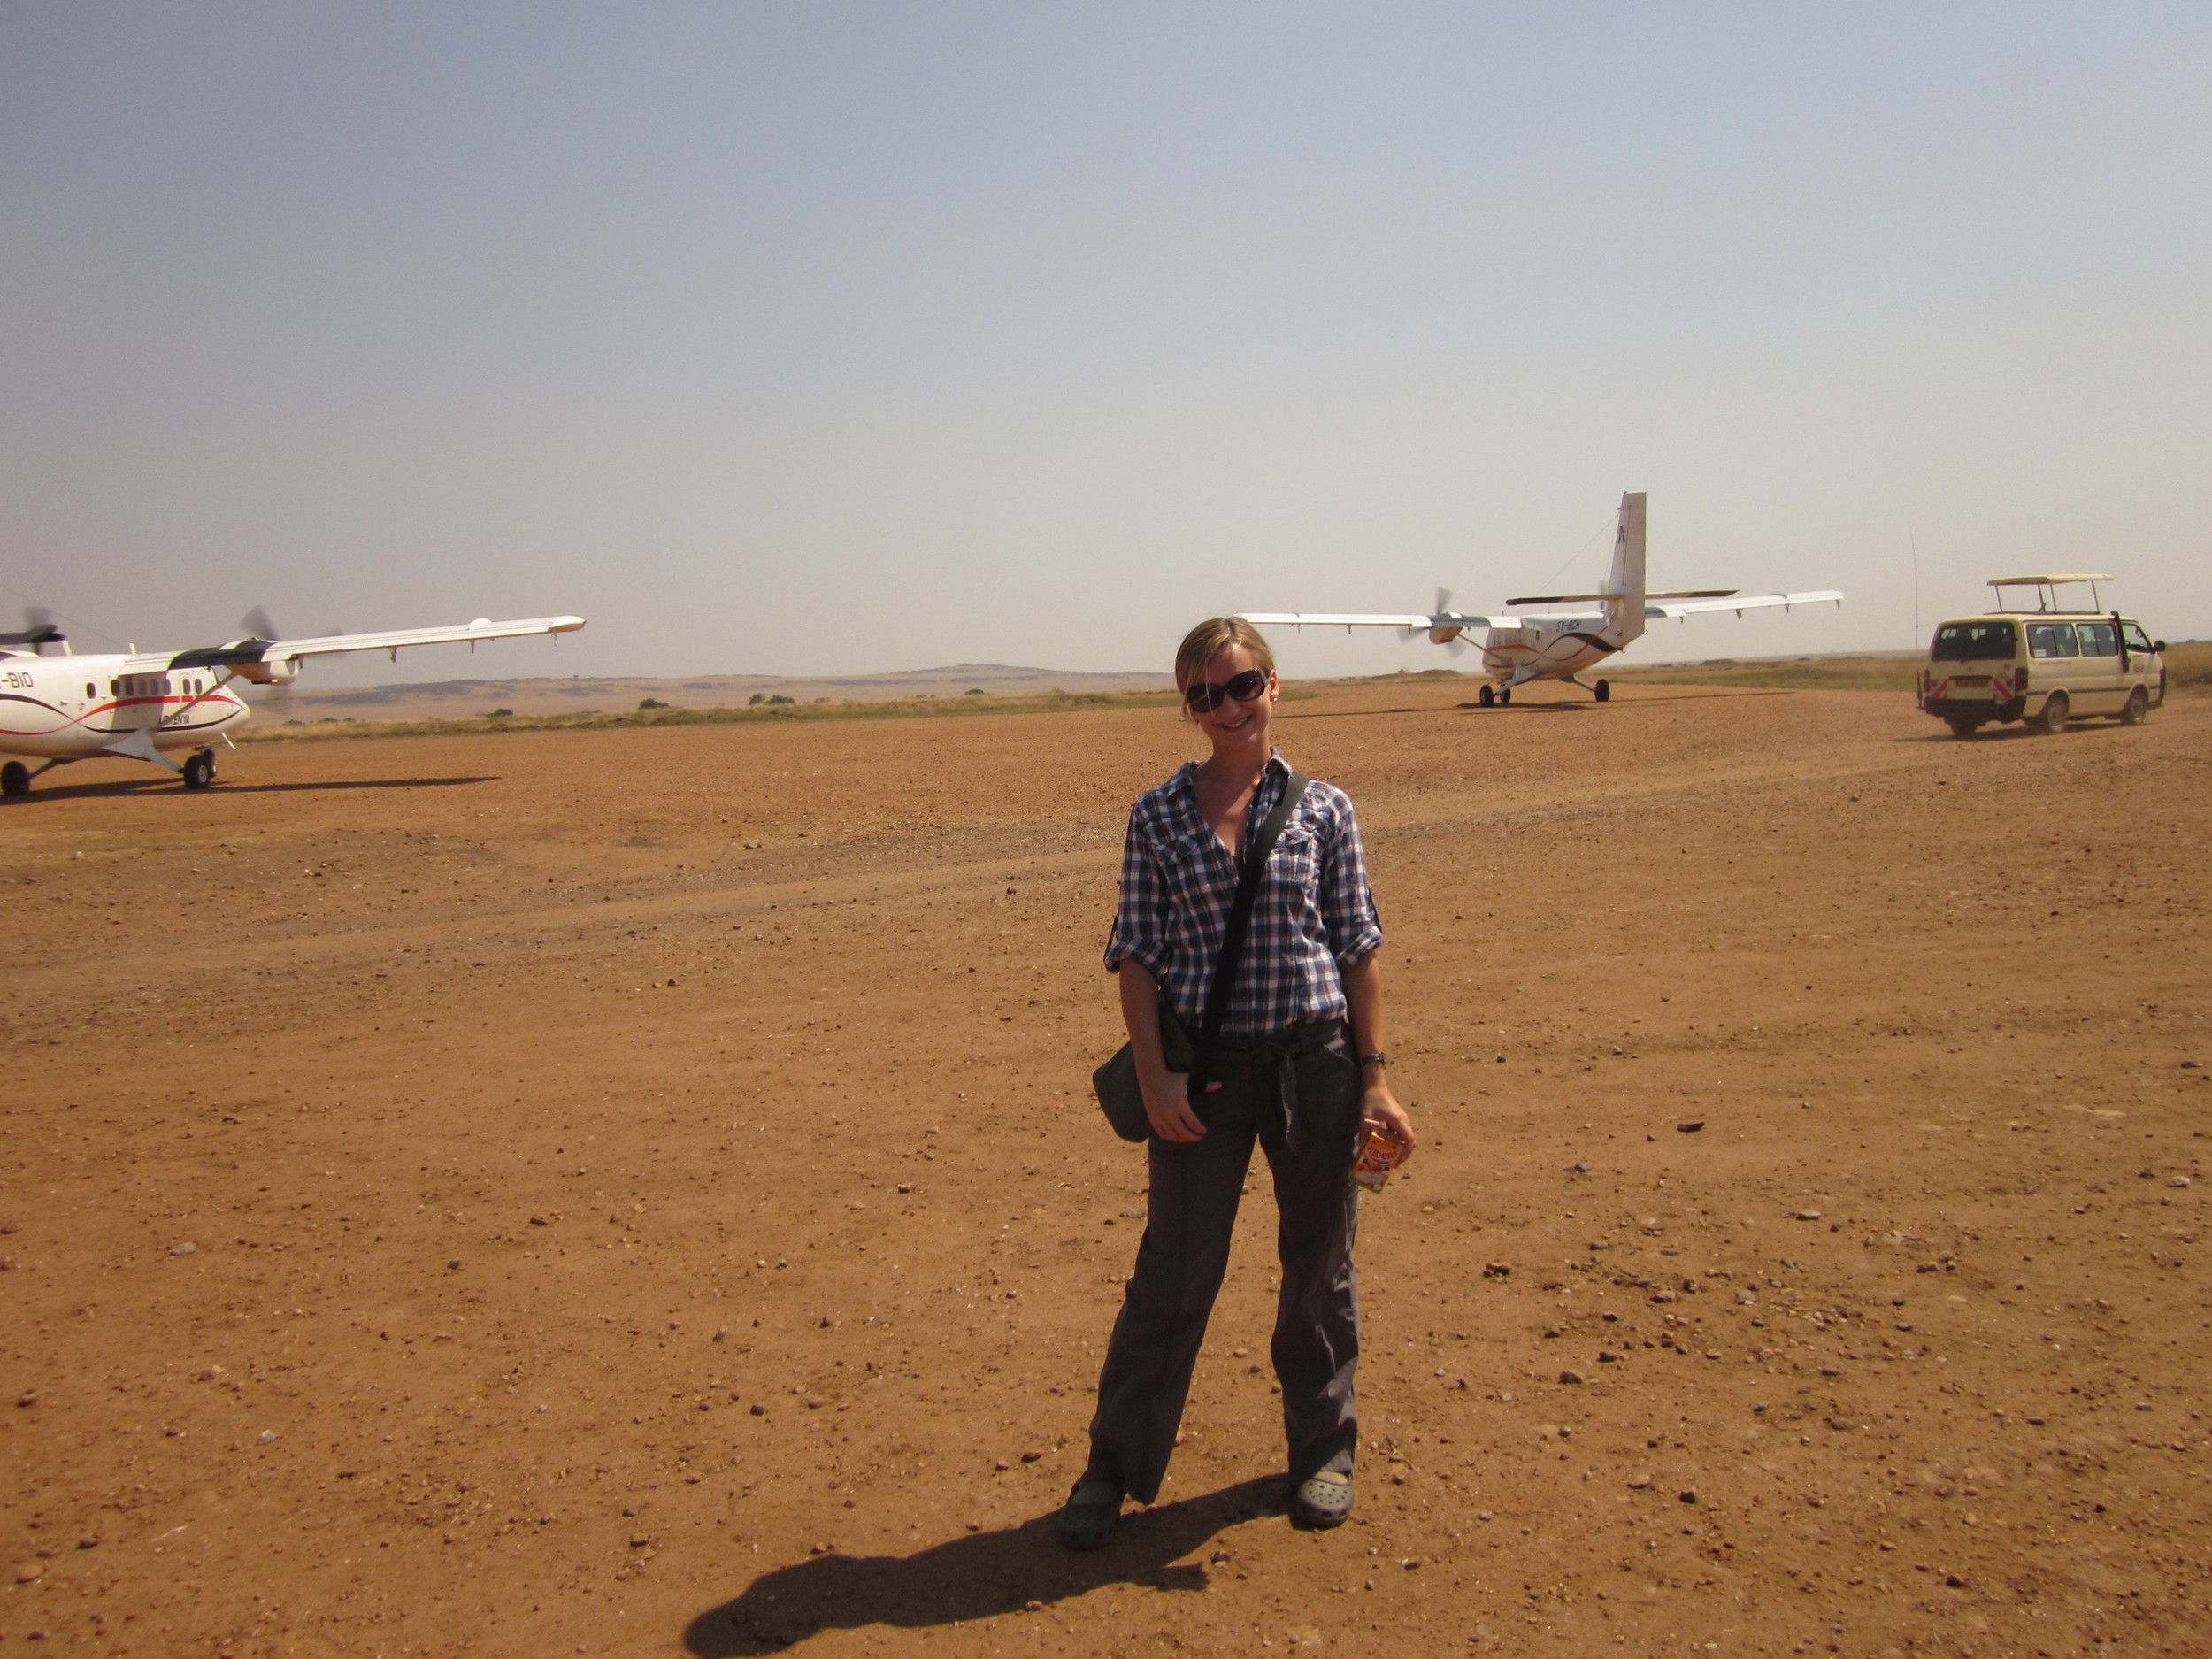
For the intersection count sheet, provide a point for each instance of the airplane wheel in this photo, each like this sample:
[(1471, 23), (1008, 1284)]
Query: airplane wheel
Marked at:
[(15, 779), (1505, 693), (1488, 695), (199, 772), (1605, 691)]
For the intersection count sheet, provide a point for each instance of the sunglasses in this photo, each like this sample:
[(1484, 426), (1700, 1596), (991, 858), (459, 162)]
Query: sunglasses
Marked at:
[(1204, 698)]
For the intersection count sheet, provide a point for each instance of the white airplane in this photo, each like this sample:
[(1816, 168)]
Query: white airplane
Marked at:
[(140, 705), (1540, 641)]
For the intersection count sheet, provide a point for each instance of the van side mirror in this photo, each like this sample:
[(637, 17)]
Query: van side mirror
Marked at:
[(2159, 647)]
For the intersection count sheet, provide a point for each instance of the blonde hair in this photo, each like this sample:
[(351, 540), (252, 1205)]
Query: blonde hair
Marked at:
[(1213, 635)]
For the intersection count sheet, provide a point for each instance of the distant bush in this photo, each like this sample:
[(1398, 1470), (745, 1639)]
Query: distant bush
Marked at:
[(655, 703), (758, 697), (972, 691), (500, 714)]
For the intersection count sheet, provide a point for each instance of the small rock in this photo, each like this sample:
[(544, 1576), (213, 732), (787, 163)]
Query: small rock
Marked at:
[(1031, 1457), (1484, 1514), (1955, 1581), (1571, 1377), (87, 1543), (1806, 1215), (1496, 1270), (1607, 1357), (1638, 1483), (721, 1334), (1842, 1426), (1000, 1465), (2179, 1180), (453, 1265), (1688, 1497), (639, 1540), (759, 1410), (1410, 1564), (1033, 1607), (182, 1250), (26, 1575), (1830, 1370), (266, 1436), (1690, 1128)]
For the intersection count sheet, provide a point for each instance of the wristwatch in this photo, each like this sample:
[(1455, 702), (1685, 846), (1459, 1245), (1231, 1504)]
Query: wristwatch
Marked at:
[(1376, 1058)]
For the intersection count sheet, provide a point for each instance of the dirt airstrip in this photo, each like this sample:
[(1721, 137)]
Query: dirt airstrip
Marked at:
[(634, 1194)]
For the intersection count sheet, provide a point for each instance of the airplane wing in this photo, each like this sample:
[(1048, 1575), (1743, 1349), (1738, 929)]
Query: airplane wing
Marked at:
[(247, 655), (1330, 619), (1739, 603)]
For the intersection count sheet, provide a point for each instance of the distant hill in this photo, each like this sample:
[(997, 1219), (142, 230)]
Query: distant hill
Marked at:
[(452, 699)]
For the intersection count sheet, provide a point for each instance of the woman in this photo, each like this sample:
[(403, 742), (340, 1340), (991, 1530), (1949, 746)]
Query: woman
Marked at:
[(1300, 1068)]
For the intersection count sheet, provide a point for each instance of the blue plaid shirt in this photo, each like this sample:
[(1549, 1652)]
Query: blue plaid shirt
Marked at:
[(1312, 917)]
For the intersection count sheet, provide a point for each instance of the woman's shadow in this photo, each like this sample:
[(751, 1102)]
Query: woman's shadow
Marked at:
[(975, 1577)]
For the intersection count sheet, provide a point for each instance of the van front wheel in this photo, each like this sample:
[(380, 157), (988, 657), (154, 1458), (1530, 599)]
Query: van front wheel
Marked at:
[(2053, 720), (2138, 706)]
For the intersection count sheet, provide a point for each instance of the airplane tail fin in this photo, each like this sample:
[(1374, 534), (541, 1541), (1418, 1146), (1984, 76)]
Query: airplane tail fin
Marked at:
[(1625, 585)]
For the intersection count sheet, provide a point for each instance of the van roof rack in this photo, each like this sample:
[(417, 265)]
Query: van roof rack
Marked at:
[(2047, 596)]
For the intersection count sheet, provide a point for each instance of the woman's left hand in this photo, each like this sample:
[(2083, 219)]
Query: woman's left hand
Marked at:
[(1378, 1105)]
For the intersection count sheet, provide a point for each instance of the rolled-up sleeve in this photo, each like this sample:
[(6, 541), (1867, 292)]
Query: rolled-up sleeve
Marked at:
[(1140, 918), (1347, 903)]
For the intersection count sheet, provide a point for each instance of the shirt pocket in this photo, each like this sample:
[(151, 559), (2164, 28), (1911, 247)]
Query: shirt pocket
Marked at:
[(1295, 865)]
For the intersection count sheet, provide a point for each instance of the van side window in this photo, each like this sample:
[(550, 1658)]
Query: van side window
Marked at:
[(1972, 642), (2098, 639), (2138, 641), (2051, 639)]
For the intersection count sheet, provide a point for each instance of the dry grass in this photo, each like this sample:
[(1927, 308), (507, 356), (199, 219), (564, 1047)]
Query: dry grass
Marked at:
[(759, 714), (1885, 672)]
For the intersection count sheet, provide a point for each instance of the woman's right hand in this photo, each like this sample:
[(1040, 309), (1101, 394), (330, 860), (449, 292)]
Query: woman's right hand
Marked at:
[(1167, 1104)]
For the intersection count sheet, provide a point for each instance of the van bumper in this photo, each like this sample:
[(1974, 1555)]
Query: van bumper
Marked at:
[(1974, 708)]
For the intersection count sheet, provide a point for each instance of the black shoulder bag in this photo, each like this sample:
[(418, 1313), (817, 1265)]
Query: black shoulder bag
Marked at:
[(1116, 1084)]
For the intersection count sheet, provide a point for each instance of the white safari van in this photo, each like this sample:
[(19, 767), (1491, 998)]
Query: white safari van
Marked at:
[(2046, 666)]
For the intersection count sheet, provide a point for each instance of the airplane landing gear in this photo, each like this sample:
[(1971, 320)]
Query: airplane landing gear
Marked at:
[(1505, 693), (15, 779), (1488, 695), (1604, 690), (199, 772)]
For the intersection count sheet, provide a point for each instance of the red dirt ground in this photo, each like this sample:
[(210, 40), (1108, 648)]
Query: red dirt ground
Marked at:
[(643, 1199)]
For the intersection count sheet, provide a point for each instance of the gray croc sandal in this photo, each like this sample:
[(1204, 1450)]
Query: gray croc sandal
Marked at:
[(1086, 1520), (1322, 1501)]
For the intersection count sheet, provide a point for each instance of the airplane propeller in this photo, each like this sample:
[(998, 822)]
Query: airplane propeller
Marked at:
[(259, 626)]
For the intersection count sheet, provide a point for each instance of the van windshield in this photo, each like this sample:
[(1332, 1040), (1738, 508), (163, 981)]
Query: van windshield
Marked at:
[(1973, 641)]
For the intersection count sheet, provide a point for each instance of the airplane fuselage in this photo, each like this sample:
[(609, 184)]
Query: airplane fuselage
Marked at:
[(1547, 650), (71, 707)]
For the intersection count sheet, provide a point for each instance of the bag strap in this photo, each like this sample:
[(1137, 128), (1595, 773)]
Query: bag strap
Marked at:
[(1252, 866)]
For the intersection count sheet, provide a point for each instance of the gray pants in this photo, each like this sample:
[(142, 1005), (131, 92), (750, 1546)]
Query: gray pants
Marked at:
[(1298, 1095)]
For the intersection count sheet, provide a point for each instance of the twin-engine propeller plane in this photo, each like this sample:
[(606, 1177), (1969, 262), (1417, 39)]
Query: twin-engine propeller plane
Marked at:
[(1543, 638), (142, 705)]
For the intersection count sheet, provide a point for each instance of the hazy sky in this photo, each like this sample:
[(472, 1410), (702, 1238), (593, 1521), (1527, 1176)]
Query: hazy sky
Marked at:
[(829, 336)]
